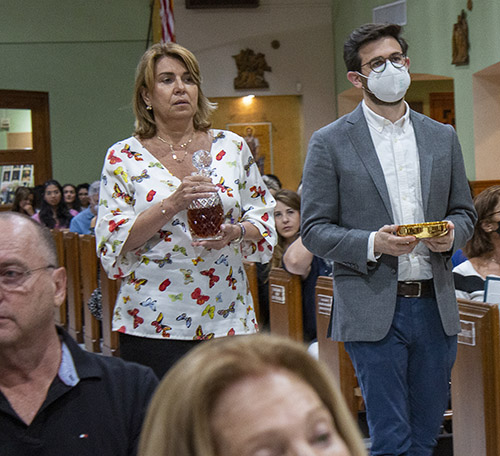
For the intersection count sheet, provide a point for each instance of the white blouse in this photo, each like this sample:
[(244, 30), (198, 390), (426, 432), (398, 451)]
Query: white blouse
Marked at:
[(171, 289)]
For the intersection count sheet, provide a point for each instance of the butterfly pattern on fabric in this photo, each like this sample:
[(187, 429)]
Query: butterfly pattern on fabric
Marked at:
[(160, 328), (169, 288), (140, 177), (212, 278)]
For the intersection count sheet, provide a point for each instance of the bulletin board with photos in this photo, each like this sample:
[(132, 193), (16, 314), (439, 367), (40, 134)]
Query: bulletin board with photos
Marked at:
[(14, 176)]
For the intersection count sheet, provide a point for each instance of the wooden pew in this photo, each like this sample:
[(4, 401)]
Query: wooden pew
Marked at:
[(475, 384), (109, 290), (333, 353), (61, 314), (479, 185), (251, 272), (88, 278), (285, 304), (74, 297)]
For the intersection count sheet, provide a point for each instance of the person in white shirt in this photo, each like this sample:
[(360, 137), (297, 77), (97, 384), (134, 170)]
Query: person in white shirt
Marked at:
[(378, 167), (483, 249)]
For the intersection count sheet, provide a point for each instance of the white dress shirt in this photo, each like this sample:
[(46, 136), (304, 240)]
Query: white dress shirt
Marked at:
[(397, 152)]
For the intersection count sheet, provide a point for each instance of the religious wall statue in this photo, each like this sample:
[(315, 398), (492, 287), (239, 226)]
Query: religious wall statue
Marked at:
[(251, 68), (460, 42)]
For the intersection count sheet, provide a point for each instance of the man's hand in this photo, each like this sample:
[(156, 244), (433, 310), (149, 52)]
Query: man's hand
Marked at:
[(387, 242), (442, 243)]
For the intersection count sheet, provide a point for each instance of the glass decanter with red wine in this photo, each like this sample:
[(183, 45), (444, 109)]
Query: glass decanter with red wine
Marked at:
[(205, 215)]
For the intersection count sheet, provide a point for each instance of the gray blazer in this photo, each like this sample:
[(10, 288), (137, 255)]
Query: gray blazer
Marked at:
[(344, 198)]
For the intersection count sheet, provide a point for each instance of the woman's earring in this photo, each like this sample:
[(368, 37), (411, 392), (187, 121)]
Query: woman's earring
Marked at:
[(149, 107)]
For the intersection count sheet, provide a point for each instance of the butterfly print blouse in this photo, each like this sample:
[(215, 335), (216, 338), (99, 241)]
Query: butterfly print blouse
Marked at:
[(171, 289)]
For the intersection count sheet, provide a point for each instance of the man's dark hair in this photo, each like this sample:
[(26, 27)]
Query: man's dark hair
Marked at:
[(365, 34)]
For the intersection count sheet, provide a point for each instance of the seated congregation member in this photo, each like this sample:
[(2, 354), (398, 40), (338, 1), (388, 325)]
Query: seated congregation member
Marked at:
[(295, 258), (249, 396), (82, 193), (84, 222), (483, 250), (55, 398), (53, 211), (23, 201), (69, 197), (38, 191), (272, 182), (459, 256)]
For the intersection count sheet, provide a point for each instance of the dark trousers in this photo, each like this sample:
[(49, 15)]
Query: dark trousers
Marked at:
[(159, 354), (405, 379)]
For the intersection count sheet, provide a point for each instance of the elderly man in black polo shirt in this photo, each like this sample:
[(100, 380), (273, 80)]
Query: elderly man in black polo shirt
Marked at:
[(56, 399)]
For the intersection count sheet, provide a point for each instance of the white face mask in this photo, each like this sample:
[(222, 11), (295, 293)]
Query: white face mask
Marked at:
[(390, 85)]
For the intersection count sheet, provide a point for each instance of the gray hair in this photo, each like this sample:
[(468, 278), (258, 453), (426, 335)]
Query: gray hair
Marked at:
[(94, 188), (43, 233)]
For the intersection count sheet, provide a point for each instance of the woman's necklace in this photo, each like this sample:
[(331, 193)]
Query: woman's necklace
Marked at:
[(180, 146)]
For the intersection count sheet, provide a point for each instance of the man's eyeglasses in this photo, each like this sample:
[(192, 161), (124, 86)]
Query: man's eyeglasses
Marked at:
[(13, 278), (378, 64)]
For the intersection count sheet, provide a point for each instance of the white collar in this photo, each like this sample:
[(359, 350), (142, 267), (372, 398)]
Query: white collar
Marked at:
[(379, 123)]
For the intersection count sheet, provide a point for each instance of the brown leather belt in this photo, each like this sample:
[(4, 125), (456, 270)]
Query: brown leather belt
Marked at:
[(416, 289)]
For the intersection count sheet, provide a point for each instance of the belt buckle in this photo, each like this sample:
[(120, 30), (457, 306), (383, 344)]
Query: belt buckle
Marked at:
[(419, 293)]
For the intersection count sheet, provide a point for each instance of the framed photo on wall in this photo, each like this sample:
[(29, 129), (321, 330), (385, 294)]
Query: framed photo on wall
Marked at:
[(258, 136), (6, 172), (27, 176)]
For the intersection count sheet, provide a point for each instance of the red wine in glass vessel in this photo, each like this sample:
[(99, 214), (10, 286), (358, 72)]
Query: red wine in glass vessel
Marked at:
[(205, 215)]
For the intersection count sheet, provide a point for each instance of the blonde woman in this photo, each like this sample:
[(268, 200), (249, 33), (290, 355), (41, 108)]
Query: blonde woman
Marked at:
[(177, 292), (249, 396)]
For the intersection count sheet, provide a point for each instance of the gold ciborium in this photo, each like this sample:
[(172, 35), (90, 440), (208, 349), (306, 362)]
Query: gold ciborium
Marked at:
[(423, 230)]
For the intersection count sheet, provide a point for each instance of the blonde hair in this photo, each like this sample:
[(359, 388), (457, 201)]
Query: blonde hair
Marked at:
[(178, 421), (145, 125)]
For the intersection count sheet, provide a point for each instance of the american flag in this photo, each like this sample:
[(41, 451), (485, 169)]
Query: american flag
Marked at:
[(167, 21)]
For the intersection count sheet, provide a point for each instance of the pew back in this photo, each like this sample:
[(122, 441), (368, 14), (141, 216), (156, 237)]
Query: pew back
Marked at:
[(74, 296), (285, 304), (61, 314), (251, 272), (333, 353), (88, 277), (475, 384), (109, 290)]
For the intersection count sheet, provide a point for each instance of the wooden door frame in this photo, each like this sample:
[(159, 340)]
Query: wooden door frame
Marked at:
[(40, 155)]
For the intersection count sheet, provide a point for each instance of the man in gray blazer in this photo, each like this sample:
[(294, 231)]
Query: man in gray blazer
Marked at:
[(378, 167)]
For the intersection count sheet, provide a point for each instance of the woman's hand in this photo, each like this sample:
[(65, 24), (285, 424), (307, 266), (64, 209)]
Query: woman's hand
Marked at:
[(191, 188), (152, 219), (27, 208), (228, 231)]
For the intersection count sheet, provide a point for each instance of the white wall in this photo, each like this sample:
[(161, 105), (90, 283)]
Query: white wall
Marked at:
[(305, 57)]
